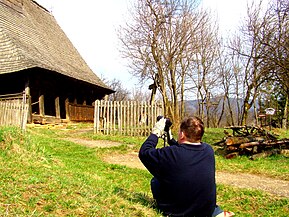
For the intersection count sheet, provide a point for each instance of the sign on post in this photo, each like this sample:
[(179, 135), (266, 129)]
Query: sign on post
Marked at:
[(270, 111)]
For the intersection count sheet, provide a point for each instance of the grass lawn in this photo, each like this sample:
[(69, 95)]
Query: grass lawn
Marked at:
[(44, 175)]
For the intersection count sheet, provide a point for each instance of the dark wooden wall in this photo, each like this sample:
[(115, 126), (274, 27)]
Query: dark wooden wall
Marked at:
[(50, 91)]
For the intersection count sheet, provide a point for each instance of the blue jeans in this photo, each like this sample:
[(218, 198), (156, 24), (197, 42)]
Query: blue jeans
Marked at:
[(155, 187)]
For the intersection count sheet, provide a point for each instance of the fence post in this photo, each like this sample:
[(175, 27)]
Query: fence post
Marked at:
[(96, 116), (119, 116), (24, 110), (125, 117), (131, 118), (110, 116), (134, 128)]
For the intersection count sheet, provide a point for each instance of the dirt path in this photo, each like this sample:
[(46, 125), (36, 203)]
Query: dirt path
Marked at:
[(241, 180), (250, 181), (93, 143)]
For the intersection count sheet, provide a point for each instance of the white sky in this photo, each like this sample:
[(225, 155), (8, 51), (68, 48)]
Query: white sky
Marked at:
[(91, 26), (229, 12)]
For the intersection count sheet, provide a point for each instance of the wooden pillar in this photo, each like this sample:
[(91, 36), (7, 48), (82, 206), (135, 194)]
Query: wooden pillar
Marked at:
[(57, 107), (28, 98), (41, 105), (67, 108)]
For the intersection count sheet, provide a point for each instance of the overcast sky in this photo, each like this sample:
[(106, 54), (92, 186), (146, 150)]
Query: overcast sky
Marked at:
[(91, 27)]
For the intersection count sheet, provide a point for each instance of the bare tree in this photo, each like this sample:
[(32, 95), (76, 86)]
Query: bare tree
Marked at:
[(249, 50), (159, 42), (227, 84), (276, 44), (140, 95), (120, 93), (205, 72)]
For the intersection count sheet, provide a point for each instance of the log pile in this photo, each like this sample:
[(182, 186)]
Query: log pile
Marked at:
[(252, 141)]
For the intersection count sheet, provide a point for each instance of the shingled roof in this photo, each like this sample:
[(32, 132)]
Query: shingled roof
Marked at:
[(30, 37)]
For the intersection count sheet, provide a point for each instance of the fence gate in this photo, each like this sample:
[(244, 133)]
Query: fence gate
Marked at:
[(14, 110), (125, 117)]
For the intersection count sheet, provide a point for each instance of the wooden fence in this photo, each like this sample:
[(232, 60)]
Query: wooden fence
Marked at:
[(125, 117), (14, 110)]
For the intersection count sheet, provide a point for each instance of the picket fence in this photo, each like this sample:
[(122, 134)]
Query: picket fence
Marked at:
[(14, 110), (125, 117)]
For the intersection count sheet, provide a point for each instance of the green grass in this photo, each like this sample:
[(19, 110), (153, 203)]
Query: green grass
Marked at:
[(43, 175)]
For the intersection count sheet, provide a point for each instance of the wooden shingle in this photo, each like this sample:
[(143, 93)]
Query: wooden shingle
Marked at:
[(30, 37)]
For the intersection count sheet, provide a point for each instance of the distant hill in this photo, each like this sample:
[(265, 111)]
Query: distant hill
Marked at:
[(192, 106)]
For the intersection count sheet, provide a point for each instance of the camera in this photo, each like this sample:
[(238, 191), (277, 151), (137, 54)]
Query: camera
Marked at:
[(167, 125)]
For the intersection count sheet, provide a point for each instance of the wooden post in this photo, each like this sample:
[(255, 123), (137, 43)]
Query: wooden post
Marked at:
[(124, 117), (67, 109), (110, 116), (134, 120), (27, 92), (57, 107), (131, 118), (119, 116), (114, 117), (41, 105), (96, 116)]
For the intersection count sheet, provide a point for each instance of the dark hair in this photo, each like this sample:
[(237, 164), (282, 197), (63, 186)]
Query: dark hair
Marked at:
[(193, 128)]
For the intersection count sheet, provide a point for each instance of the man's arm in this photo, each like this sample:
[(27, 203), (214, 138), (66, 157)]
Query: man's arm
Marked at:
[(148, 153), (147, 147)]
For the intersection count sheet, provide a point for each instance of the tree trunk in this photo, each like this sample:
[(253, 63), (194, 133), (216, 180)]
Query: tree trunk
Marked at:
[(285, 116), (222, 111), (246, 108)]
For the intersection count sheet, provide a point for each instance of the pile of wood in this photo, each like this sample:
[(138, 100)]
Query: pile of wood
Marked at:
[(252, 141)]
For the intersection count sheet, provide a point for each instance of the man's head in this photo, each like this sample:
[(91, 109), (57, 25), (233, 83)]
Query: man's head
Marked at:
[(191, 130)]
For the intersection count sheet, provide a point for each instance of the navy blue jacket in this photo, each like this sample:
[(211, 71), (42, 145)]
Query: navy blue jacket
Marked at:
[(186, 174)]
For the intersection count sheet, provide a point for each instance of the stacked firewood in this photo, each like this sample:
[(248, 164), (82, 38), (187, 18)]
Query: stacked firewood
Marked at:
[(252, 141)]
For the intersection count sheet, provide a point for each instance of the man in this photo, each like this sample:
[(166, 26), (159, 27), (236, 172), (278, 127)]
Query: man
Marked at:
[(184, 172)]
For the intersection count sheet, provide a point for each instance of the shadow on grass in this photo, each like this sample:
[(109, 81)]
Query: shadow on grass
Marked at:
[(136, 197)]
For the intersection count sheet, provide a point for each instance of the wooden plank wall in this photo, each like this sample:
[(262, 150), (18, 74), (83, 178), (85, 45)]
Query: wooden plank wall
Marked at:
[(14, 111), (79, 112), (125, 117)]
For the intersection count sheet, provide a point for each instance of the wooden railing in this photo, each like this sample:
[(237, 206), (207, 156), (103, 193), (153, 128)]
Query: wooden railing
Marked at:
[(125, 117), (14, 110)]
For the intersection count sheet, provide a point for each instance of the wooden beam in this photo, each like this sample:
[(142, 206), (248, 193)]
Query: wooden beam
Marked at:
[(67, 109), (27, 93), (41, 105), (57, 107), (250, 144), (235, 140)]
